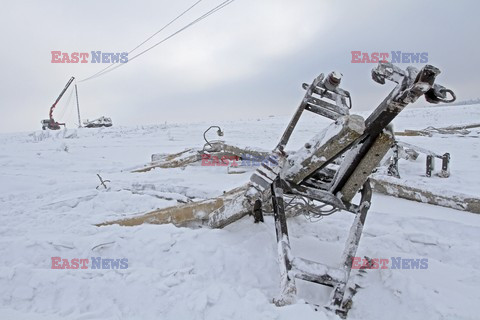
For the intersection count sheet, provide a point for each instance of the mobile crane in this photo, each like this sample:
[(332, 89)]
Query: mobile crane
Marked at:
[(50, 123)]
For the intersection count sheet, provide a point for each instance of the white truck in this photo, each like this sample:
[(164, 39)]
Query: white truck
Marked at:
[(97, 123)]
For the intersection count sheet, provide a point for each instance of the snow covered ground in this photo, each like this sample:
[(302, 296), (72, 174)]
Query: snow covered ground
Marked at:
[(49, 205)]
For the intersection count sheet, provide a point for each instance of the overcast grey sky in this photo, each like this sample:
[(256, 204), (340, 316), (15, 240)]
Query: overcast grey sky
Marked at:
[(246, 61)]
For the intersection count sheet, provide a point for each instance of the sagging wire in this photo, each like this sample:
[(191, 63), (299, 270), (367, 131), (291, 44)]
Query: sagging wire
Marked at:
[(146, 40), (205, 15), (312, 211), (165, 26), (66, 105)]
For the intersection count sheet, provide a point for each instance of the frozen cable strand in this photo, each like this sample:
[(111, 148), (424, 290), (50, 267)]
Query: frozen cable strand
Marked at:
[(66, 106), (205, 15), (223, 4), (165, 26), (138, 46)]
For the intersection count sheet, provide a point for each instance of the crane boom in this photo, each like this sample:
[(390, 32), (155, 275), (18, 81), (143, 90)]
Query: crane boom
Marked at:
[(60, 96), (50, 123)]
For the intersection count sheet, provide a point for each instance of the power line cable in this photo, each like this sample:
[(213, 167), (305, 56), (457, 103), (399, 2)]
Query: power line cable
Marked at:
[(146, 40), (165, 26), (65, 105), (218, 7), (205, 15)]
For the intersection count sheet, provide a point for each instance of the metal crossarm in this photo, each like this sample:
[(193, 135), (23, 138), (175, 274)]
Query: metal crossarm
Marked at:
[(358, 147)]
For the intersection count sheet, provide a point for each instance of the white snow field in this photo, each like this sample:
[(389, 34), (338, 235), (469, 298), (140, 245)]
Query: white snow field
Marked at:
[(49, 205)]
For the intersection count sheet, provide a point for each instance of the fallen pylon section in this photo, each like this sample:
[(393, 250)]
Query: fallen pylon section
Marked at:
[(319, 179), (428, 132), (401, 189), (189, 213)]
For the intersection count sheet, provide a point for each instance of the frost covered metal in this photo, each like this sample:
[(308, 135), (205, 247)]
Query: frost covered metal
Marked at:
[(322, 177)]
